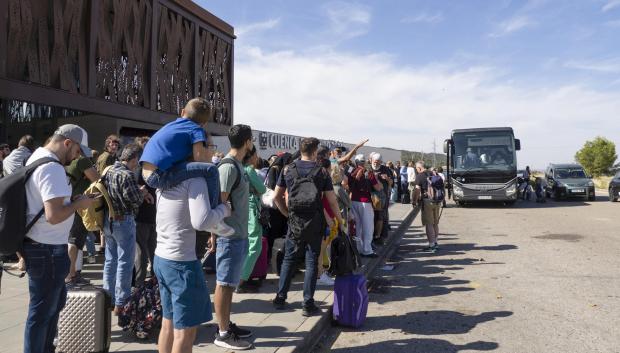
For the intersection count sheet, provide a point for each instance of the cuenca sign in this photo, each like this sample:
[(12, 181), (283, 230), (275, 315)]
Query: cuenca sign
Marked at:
[(286, 143), (270, 143)]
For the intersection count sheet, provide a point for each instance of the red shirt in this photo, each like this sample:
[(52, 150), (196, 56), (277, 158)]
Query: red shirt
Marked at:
[(360, 189)]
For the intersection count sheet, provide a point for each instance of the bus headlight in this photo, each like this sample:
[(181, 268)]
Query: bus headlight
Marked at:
[(457, 191), (512, 189)]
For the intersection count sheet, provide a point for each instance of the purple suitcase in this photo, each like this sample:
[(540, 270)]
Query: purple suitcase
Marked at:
[(350, 300)]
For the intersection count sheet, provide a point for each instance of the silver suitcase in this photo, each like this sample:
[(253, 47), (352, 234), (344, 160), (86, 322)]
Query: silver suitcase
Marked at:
[(85, 322)]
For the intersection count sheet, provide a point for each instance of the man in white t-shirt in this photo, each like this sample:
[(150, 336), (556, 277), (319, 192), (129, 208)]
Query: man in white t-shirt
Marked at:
[(184, 294), (45, 245)]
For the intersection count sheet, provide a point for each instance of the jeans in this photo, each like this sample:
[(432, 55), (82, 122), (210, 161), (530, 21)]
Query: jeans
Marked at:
[(146, 239), (184, 293), (120, 238), (294, 250), (47, 266), (90, 244), (230, 256), (185, 171)]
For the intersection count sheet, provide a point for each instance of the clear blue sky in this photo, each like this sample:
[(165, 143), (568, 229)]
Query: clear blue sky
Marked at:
[(405, 73)]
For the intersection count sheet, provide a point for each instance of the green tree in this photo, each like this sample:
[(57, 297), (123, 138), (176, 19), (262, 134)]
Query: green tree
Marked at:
[(597, 156)]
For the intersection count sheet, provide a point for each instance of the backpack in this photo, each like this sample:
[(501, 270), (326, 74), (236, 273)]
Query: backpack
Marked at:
[(306, 220), (142, 314), (344, 257), (94, 216), (436, 189), (229, 160), (378, 198), (13, 207)]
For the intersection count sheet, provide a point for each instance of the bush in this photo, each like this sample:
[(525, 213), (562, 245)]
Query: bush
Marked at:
[(597, 156)]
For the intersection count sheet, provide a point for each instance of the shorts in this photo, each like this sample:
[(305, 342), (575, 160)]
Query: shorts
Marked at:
[(230, 256), (430, 213), (77, 234), (184, 293)]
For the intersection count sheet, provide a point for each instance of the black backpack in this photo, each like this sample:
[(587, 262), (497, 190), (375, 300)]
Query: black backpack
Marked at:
[(306, 220), (436, 189), (13, 207), (344, 257)]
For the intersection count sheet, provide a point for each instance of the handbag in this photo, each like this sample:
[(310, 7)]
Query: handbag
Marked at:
[(378, 200), (266, 199)]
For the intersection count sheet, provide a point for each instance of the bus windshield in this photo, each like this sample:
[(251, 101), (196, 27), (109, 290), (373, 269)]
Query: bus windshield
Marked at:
[(484, 150)]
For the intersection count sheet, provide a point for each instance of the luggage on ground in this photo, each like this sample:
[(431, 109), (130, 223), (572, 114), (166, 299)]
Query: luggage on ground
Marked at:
[(84, 324), (350, 300), (142, 314), (13, 208), (277, 255), (262, 263)]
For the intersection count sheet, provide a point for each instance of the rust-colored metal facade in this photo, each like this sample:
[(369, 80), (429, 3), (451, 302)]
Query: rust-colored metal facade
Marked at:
[(138, 60)]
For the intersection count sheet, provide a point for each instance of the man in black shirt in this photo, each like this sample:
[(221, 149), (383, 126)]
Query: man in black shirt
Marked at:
[(430, 209), (306, 227)]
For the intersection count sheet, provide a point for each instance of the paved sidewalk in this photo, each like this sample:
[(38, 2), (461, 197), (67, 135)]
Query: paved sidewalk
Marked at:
[(274, 331)]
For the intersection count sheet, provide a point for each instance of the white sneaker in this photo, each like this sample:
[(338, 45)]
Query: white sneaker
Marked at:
[(222, 229), (325, 280), (91, 259)]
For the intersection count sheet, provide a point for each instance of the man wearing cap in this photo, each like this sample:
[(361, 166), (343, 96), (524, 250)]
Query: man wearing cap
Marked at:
[(45, 245)]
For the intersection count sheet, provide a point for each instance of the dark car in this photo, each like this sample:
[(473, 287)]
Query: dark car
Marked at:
[(568, 180), (614, 188)]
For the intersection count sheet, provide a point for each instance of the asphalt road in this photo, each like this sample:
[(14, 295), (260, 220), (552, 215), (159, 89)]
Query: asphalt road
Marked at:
[(528, 278)]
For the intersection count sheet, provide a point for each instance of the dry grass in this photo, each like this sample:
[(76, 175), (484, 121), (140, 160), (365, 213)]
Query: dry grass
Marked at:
[(602, 182)]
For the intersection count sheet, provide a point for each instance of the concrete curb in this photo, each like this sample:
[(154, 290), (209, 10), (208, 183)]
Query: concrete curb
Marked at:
[(319, 328)]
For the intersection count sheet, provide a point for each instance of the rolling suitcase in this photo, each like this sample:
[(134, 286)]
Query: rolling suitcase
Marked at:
[(262, 263), (350, 300), (277, 255), (84, 324)]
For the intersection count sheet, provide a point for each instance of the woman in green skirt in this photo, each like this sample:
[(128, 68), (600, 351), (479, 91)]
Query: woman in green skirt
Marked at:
[(255, 229)]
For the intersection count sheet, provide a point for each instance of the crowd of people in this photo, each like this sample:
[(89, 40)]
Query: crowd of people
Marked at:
[(164, 188)]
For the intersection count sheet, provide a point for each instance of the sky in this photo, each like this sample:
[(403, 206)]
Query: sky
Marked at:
[(405, 73)]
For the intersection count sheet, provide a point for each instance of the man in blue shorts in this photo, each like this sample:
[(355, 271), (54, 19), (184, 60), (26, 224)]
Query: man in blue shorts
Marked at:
[(184, 294)]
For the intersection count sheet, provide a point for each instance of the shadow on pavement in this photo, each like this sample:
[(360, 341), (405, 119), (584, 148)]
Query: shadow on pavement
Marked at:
[(424, 345), (526, 204), (438, 322)]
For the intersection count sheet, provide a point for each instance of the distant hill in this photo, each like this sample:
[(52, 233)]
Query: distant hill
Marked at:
[(430, 159)]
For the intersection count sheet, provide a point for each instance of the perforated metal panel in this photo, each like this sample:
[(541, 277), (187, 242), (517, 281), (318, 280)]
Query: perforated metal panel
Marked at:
[(84, 324)]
